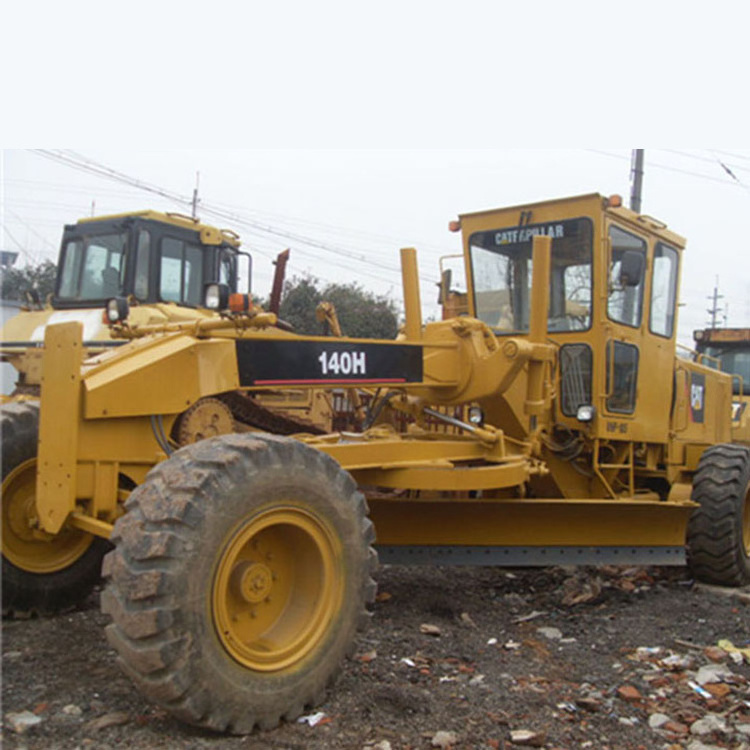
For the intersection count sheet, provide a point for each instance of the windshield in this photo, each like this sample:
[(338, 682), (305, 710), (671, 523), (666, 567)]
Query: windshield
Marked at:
[(93, 267), (734, 360), (502, 270)]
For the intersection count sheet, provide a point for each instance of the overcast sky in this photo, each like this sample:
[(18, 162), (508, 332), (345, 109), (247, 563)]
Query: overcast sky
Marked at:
[(345, 213)]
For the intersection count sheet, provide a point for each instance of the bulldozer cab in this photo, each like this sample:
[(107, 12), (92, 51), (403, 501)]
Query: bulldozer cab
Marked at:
[(612, 305), (148, 256)]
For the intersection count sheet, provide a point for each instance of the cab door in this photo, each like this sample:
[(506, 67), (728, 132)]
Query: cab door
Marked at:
[(626, 283), (638, 337)]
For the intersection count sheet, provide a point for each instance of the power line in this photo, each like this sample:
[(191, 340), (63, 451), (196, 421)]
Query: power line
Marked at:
[(665, 167), (276, 218), (21, 247), (734, 156), (73, 160), (85, 164), (707, 159), (31, 229)]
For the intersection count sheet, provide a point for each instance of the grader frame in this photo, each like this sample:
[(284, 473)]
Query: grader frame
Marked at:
[(243, 563)]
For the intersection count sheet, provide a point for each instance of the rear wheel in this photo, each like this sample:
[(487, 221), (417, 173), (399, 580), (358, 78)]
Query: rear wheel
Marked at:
[(719, 530), (239, 577), (41, 575)]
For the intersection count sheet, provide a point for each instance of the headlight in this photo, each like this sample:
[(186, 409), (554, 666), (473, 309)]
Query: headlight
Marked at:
[(476, 416), (216, 296), (586, 413), (117, 310)]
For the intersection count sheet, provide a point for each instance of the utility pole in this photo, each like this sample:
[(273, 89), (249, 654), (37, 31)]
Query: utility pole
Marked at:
[(714, 311), (195, 194), (636, 179)]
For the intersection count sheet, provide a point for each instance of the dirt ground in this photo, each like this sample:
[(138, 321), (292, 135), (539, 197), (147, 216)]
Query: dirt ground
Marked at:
[(454, 657)]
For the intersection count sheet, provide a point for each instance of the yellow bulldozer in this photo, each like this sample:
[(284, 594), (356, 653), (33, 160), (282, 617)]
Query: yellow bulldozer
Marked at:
[(242, 565)]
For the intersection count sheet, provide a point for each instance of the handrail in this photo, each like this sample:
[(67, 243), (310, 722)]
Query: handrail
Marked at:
[(699, 357)]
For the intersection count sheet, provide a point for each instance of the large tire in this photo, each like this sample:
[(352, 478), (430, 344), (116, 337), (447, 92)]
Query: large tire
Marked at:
[(39, 576), (240, 575), (718, 538)]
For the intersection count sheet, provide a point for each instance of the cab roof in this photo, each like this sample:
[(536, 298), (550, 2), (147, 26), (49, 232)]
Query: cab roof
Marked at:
[(637, 221), (210, 235)]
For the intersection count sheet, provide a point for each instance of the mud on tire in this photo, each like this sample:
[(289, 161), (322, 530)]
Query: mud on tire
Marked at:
[(718, 538), (219, 544)]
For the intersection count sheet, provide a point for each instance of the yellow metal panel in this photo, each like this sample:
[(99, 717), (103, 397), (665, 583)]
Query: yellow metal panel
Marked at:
[(373, 454), (449, 479), (105, 488), (128, 440), (412, 305), (693, 455), (164, 377), (58, 424), (529, 522)]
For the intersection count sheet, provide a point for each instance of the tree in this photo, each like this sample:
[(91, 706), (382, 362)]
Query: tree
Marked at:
[(17, 281), (298, 302), (361, 313)]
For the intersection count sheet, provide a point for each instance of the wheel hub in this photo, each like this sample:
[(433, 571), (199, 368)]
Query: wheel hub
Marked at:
[(252, 581), (277, 587)]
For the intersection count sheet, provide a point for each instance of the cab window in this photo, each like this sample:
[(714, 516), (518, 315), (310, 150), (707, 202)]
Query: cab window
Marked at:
[(93, 268), (625, 301), (622, 377), (228, 270), (181, 272), (501, 265), (663, 291)]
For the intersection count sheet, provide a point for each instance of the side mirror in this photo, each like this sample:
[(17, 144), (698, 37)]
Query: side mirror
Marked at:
[(445, 286), (632, 265)]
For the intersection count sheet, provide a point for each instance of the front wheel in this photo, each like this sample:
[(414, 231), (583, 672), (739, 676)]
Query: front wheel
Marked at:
[(718, 544), (240, 574)]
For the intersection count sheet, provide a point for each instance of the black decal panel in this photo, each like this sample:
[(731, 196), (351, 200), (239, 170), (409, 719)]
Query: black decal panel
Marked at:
[(281, 363)]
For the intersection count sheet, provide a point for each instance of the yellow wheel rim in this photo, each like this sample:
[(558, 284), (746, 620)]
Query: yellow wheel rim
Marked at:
[(277, 588), (21, 546)]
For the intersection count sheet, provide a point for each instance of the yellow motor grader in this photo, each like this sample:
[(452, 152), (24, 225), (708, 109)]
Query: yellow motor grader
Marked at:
[(242, 565)]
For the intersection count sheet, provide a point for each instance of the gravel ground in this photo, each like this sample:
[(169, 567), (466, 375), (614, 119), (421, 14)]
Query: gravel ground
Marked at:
[(455, 657)]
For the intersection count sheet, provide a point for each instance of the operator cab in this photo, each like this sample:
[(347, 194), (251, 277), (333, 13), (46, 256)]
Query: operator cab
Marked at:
[(147, 257), (612, 302)]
